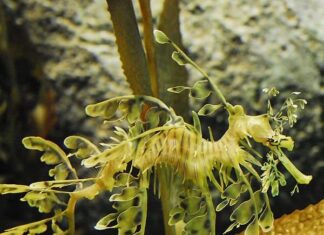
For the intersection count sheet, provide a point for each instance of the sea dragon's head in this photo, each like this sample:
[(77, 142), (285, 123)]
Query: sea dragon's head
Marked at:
[(259, 129)]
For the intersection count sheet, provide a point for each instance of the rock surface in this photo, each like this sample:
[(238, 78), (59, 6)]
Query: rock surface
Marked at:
[(74, 42), (307, 221)]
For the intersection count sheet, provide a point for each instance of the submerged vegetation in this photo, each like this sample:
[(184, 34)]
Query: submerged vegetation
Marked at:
[(157, 139)]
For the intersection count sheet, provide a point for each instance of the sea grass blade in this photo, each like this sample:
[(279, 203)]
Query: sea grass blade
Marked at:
[(130, 46), (150, 45)]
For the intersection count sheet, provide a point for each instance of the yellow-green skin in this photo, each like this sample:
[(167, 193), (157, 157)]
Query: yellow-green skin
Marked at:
[(184, 149), (195, 157)]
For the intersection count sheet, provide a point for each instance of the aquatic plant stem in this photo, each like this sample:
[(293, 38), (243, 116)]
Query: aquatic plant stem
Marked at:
[(245, 180), (196, 66), (165, 200), (70, 214), (149, 45), (143, 186), (144, 209), (211, 209)]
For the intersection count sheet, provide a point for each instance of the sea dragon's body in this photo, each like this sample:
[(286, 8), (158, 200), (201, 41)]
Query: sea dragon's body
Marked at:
[(194, 157), (184, 149)]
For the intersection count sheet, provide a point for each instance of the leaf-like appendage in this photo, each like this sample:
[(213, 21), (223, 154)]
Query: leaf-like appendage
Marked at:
[(127, 194), (104, 223), (83, 147), (130, 207), (177, 57), (209, 109), (246, 211), (53, 155), (130, 107), (198, 225), (196, 123), (266, 220), (252, 228), (54, 184), (233, 191), (178, 89), (121, 133), (160, 37), (200, 90), (32, 228), (43, 201), (176, 214), (191, 204), (192, 210), (123, 179), (243, 213), (57, 229), (130, 218), (13, 188), (253, 160), (106, 109), (38, 229), (121, 206), (231, 227), (60, 172), (222, 205), (202, 211)]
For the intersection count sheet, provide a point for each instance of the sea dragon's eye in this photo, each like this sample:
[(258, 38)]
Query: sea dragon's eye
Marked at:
[(274, 142), (281, 141)]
